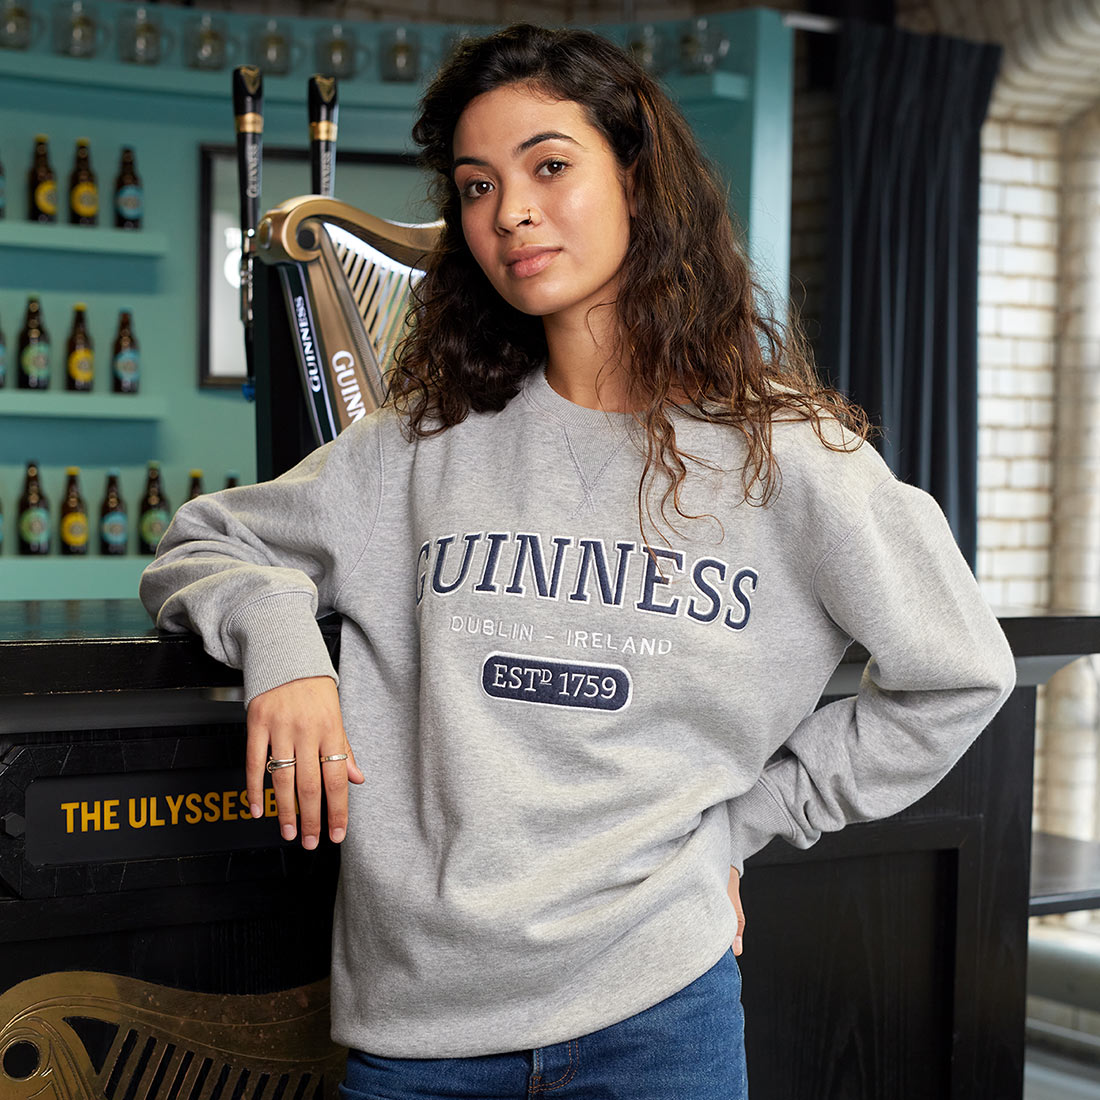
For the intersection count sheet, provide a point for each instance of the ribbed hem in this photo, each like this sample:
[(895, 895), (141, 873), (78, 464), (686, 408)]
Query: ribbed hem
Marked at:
[(279, 641)]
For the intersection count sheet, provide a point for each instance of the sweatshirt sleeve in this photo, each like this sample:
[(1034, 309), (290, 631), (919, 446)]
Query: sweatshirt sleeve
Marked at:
[(250, 569), (939, 670)]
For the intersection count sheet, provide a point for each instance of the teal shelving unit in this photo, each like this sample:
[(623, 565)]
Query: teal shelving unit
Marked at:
[(166, 112), (88, 577), (16, 235)]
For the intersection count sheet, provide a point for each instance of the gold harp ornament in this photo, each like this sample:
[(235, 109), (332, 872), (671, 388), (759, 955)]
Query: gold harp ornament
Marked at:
[(347, 279), (166, 1042)]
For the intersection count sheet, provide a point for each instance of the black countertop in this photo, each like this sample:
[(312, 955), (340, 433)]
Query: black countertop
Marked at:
[(73, 646)]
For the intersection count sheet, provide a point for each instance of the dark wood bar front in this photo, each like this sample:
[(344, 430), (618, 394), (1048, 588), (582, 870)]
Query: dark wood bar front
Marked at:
[(153, 937)]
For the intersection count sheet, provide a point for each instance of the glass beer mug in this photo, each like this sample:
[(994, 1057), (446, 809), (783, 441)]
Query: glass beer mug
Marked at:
[(18, 25), (206, 45), (142, 40), (76, 29), (337, 51), (273, 50), (399, 55)]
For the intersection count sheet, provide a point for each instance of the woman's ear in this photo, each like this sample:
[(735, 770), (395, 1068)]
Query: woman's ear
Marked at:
[(628, 186)]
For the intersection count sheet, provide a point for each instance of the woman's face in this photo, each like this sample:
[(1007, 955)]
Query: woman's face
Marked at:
[(545, 206)]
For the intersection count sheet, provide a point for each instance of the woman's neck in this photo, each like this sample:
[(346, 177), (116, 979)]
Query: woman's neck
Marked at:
[(584, 364)]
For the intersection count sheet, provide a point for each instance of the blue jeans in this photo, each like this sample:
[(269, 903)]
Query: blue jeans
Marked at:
[(689, 1047)]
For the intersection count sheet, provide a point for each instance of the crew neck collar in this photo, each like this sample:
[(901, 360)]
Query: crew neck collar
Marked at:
[(547, 399)]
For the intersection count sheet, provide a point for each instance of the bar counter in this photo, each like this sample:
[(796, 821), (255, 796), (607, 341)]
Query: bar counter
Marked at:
[(889, 960)]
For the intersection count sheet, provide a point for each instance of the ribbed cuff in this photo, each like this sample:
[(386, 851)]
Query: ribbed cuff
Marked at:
[(279, 641), (755, 818)]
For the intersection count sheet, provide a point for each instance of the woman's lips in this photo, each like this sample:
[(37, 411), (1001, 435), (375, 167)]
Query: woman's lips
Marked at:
[(525, 266)]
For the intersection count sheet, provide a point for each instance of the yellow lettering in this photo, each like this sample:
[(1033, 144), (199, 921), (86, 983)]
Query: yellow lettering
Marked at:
[(110, 813), (153, 818), (89, 817), (193, 802), (70, 809), (213, 812), (174, 804), (271, 807), (135, 821), (228, 812)]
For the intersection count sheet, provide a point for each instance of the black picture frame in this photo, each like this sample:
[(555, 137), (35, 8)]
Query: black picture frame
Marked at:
[(221, 364)]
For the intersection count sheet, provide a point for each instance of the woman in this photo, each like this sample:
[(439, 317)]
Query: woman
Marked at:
[(605, 546)]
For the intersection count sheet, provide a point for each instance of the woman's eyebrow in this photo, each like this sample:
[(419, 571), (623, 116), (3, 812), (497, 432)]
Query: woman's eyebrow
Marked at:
[(522, 147)]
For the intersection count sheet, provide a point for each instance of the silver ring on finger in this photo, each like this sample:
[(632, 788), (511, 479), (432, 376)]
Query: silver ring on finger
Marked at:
[(274, 765), (334, 756)]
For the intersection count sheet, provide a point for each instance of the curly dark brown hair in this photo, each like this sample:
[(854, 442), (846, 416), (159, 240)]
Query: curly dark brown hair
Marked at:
[(689, 312)]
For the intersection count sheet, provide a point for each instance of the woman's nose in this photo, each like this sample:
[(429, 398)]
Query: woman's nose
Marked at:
[(515, 213)]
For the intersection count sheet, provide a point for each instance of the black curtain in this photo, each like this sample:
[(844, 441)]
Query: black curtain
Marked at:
[(900, 326)]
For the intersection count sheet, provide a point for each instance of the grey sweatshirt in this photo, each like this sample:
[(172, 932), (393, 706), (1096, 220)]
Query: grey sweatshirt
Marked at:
[(568, 739)]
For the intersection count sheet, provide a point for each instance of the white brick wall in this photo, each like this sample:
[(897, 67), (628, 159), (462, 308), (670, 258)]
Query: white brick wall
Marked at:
[(1017, 324)]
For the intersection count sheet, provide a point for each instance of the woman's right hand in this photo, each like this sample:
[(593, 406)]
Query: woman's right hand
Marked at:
[(301, 720)]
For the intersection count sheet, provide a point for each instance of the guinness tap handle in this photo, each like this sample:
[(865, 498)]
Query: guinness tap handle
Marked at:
[(248, 109), (323, 109)]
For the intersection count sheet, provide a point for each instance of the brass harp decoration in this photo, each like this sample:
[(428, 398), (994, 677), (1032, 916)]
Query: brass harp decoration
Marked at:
[(347, 278), (346, 275), (80, 1035)]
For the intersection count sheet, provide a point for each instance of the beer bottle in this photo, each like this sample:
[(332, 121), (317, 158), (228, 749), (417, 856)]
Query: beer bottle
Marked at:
[(80, 357), (232, 479), (129, 198), (41, 184), (153, 516), (74, 516), (34, 515), (83, 192), (112, 518), (196, 489), (34, 349), (126, 359)]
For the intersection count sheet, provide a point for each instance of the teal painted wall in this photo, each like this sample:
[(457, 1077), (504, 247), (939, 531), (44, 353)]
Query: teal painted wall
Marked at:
[(166, 113)]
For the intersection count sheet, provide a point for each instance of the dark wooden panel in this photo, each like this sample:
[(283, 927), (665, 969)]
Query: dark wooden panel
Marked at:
[(846, 969), (891, 957)]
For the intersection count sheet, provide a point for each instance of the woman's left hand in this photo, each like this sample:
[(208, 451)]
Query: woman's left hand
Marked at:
[(734, 891)]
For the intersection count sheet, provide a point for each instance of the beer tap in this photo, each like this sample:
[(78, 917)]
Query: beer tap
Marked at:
[(323, 109), (248, 109)]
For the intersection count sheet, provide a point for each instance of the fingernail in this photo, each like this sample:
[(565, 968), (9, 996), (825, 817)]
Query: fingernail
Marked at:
[(337, 835), (288, 832), (309, 842), (256, 810)]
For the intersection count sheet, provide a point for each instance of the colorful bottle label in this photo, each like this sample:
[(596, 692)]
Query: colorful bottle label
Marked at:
[(45, 197), (154, 522), (128, 368), (129, 203), (34, 528), (35, 363), (84, 199), (74, 530), (112, 529), (82, 365)]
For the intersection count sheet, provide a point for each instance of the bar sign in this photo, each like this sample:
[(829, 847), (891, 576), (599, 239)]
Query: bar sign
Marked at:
[(143, 815)]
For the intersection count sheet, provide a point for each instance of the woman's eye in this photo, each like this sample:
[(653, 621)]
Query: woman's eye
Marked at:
[(552, 167), (474, 189)]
